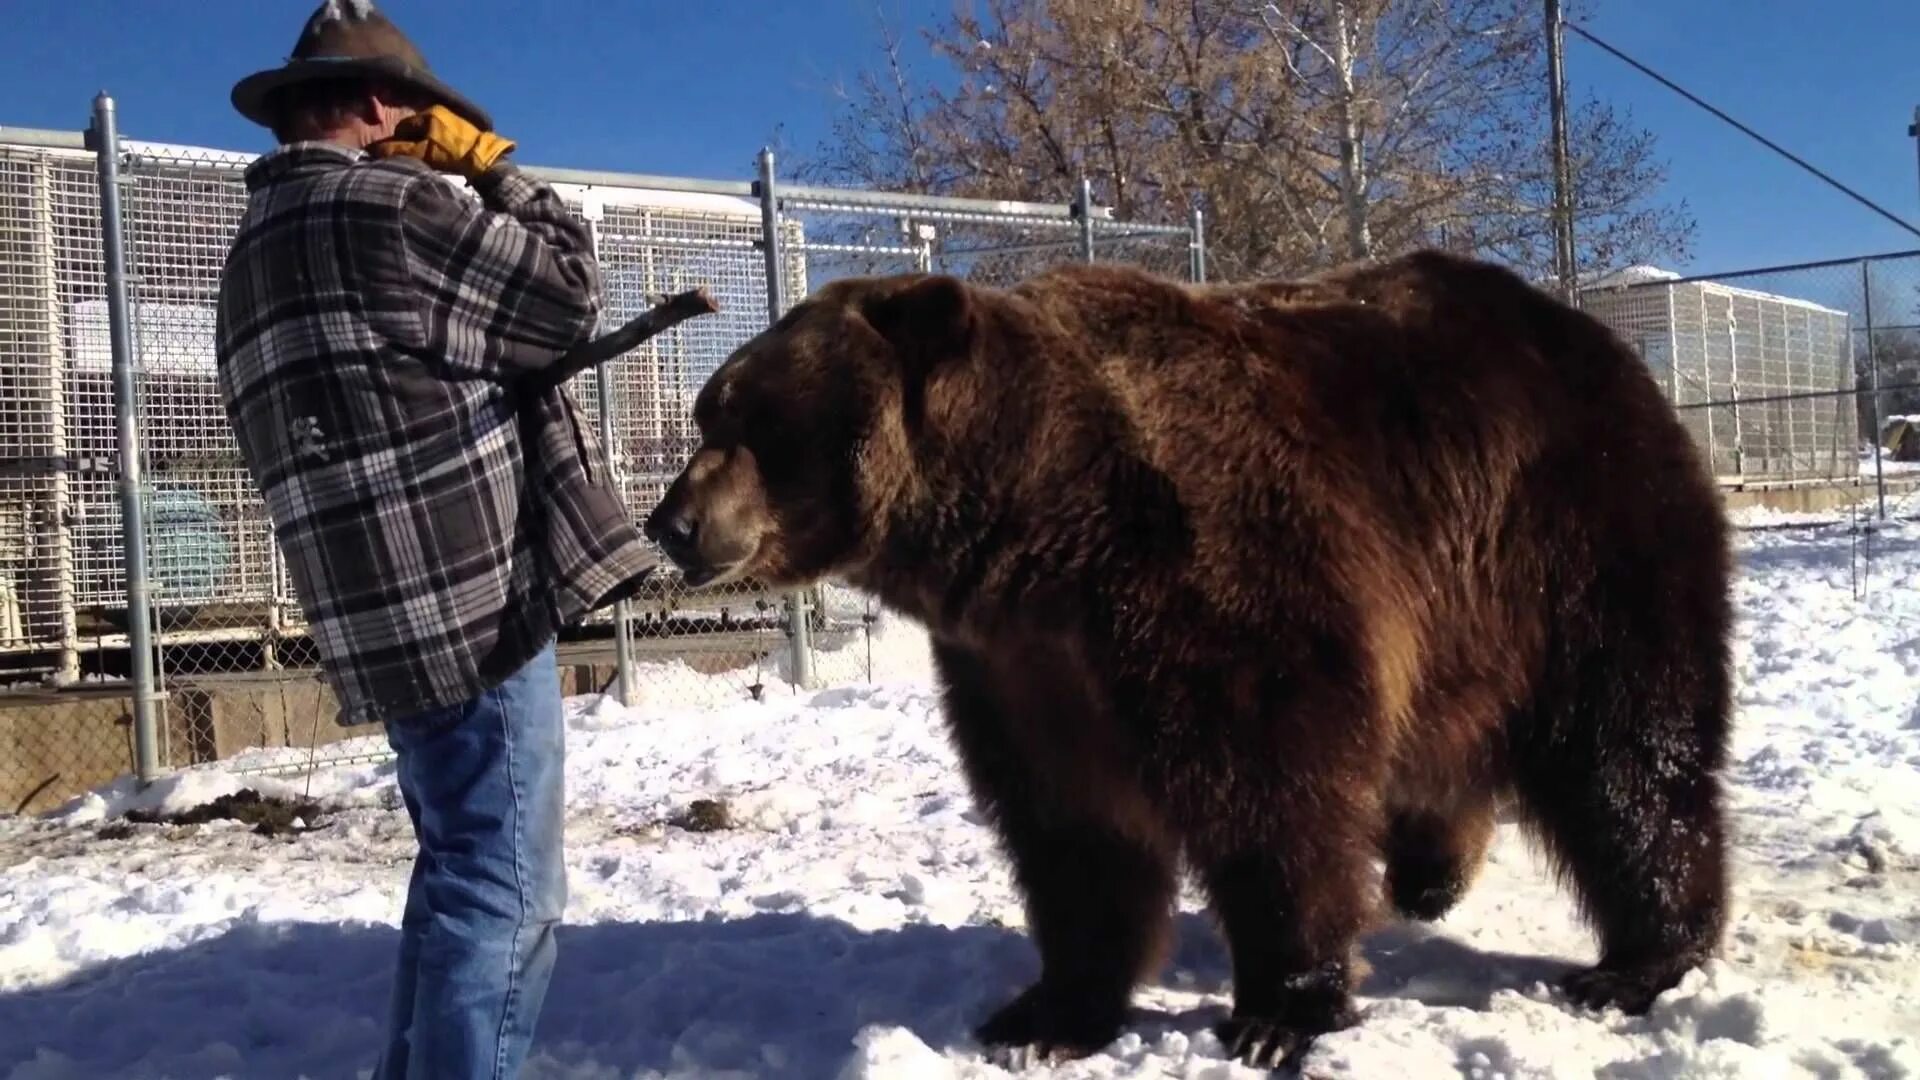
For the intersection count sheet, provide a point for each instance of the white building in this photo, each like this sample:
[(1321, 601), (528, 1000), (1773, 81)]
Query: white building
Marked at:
[(1716, 348)]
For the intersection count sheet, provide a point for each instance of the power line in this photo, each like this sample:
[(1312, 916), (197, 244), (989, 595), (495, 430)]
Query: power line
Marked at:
[(1798, 395), (1756, 136)]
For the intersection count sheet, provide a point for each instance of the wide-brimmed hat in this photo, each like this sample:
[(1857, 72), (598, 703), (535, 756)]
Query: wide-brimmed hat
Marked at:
[(348, 39)]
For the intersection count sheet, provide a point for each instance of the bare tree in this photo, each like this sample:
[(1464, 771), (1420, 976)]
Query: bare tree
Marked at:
[(1314, 130), (880, 137), (1341, 29)]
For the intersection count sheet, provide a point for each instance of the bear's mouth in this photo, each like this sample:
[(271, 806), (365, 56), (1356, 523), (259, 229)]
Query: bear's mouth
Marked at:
[(701, 575), (698, 573)]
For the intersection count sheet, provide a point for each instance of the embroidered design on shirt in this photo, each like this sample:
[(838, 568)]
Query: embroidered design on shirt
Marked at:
[(309, 442)]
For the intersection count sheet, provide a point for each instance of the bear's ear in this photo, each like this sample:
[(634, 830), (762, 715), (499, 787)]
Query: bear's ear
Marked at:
[(928, 319)]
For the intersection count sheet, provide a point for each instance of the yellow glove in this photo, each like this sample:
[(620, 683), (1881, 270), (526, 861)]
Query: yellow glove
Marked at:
[(446, 141)]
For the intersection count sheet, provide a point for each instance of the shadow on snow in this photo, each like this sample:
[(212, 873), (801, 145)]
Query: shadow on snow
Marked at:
[(771, 995)]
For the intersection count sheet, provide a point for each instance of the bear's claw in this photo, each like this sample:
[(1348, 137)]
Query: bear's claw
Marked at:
[(1631, 990), (1019, 1059), (1428, 904), (1263, 1044), (1033, 1029)]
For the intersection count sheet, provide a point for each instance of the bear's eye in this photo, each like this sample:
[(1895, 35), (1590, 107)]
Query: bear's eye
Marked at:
[(723, 417)]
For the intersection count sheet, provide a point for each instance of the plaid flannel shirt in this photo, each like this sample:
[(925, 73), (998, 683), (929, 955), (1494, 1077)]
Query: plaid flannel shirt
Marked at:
[(442, 508)]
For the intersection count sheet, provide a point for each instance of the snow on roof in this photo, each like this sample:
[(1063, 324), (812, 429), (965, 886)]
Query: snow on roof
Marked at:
[(583, 194), (1630, 275), (660, 199), (1641, 275)]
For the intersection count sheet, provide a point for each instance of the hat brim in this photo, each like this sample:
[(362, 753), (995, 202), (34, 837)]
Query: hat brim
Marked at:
[(250, 94)]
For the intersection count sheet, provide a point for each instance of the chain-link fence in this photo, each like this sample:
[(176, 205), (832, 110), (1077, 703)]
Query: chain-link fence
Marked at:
[(1800, 383), (52, 742), (232, 669), (839, 233), (652, 237)]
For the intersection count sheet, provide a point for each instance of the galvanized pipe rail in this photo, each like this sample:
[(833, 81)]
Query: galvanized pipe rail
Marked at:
[(104, 140)]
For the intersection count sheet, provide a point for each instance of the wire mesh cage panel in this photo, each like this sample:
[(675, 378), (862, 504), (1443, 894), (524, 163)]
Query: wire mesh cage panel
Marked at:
[(1762, 381), (35, 574), (49, 262), (59, 506), (52, 744), (691, 646), (675, 244), (857, 234), (236, 668), (988, 243), (210, 559)]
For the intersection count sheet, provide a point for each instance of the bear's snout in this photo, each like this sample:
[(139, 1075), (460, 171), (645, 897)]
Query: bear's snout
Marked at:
[(672, 530), (676, 530), (713, 520)]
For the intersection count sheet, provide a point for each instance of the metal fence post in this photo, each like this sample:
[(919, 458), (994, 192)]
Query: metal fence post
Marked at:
[(800, 629), (1873, 369), (603, 394), (1083, 208), (622, 609), (105, 140), (1197, 246)]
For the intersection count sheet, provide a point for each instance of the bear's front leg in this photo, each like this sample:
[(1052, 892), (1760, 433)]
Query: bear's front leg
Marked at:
[(1291, 914), (1274, 784), (1096, 876), (1098, 906)]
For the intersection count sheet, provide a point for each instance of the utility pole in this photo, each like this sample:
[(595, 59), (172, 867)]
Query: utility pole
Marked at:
[(1913, 129), (1563, 257)]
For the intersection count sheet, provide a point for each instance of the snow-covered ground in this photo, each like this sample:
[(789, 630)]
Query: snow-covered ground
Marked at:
[(1888, 466), (859, 920)]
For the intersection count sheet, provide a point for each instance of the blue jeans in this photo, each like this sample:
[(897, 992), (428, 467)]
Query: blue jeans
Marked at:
[(483, 784)]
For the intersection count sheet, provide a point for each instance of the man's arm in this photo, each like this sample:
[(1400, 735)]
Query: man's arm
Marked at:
[(506, 284)]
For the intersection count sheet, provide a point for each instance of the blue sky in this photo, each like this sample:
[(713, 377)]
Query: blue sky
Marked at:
[(695, 87)]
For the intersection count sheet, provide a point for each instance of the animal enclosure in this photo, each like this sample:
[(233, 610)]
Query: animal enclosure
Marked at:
[(219, 595), (1743, 367)]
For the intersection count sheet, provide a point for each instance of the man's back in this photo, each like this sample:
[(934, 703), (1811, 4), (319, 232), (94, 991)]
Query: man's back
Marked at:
[(388, 351), (373, 322)]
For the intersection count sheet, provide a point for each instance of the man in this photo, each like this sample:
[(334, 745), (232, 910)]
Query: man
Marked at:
[(382, 338)]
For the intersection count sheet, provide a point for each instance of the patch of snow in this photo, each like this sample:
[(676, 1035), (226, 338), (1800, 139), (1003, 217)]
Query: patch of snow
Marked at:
[(1766, 517), (1637, 274), (859, 919)]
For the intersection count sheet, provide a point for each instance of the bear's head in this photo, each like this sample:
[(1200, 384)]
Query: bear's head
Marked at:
[(805, 433)]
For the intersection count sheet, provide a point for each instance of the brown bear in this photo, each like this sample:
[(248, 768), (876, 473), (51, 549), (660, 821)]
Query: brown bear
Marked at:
[(1264, 581)]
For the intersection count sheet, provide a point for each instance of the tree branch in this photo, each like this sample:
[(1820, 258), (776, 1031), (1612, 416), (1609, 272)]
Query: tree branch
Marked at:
[(666, 313)]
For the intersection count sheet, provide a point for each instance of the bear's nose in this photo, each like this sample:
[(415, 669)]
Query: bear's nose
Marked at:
[(675, 532)]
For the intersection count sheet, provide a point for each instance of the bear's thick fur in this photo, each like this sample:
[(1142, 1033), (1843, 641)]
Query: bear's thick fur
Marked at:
[(1263, 581)]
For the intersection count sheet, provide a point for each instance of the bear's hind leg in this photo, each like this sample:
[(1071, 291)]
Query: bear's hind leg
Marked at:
[(1432, 856), (1630, 808), (1095, 870)]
